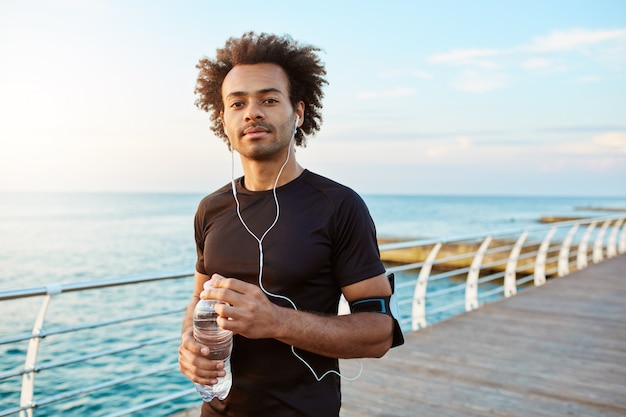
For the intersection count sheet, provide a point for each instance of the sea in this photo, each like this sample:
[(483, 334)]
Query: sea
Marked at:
[(49, 238)]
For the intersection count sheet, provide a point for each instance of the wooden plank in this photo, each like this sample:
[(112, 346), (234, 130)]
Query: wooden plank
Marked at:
[(555, 350)]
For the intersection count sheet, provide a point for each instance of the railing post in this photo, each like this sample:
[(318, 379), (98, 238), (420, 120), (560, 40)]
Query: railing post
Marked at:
[(542, 254), (621, 248), (581, 258), (563, 266), (28, 379), (598, 247), (611, 249), (510, 283), (418, 313), (471, 287)]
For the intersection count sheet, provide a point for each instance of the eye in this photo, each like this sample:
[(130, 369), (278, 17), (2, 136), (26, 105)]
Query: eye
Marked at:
[(270, 101), (236, 104)]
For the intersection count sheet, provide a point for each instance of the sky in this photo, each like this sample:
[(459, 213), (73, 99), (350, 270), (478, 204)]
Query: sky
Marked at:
[(448, 97)]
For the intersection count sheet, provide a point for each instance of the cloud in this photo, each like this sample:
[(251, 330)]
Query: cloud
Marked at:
[(555, 165), (584, 128), (415, 73), (536, 63), (588, 165), (421, 74), (574, 39), (91, 5), (612, 140), (396, 92), (460, 143), (605, 46), (479, 82), (472, 57), (608, 144)]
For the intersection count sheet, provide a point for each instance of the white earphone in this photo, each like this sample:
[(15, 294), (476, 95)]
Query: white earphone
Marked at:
[(259, 240)]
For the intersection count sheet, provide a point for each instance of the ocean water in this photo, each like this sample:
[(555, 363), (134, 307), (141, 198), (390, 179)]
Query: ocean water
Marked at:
[(65, 237), (48, 238), (445, 216)]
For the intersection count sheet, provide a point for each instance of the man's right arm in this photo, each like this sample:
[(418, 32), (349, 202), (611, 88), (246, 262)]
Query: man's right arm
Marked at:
[(191, 354)]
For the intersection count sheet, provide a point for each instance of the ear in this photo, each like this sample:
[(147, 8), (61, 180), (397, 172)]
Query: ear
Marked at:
[(299, 110), (220, 120)]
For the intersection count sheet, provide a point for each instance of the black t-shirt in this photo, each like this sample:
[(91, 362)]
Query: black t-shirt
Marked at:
[(324, 239)]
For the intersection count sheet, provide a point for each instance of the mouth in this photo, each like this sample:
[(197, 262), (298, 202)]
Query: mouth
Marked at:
[(256, 131)]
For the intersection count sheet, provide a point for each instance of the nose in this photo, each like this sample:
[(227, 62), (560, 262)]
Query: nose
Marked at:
[(254, 113)]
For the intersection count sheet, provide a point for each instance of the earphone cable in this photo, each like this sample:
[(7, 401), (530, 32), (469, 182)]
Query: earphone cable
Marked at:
[(261, 259)]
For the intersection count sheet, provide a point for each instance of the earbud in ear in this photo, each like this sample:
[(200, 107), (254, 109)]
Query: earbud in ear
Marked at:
[(295, 128)]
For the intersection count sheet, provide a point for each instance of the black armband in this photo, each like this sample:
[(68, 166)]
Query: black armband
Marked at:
[(372, 305), (387, 305)]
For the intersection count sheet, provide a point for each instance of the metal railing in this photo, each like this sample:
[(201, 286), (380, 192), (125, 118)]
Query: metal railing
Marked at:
[(435, 279), (478, 269), (32, 367)]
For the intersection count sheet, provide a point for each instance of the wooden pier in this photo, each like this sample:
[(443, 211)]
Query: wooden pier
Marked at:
[(550, 351), (555, 350)]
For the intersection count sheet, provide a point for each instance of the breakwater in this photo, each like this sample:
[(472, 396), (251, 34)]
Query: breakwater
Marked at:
[(457, 255)]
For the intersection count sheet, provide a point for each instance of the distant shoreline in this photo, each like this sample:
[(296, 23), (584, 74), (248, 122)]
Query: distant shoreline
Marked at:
[(592, 208)]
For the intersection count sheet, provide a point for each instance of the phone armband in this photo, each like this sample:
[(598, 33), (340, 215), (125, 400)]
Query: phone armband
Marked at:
[(387, 305)]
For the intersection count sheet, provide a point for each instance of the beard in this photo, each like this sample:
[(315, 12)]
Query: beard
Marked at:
[(267, 148)]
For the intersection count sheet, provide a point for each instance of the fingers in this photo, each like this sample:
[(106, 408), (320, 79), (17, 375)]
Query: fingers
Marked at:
[(238, 319), (232, 291), (194, 365), (246, 310), (236, 285), (214, 282)]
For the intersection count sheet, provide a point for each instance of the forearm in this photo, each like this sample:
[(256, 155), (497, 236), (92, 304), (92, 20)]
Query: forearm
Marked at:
[(347, 336), (247, 311), (188, 320), (199, 280)]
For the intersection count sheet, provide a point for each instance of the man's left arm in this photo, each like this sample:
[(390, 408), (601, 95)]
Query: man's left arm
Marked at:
[(357, 335)]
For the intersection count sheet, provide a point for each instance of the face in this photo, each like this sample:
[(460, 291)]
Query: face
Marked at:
[(258, 116)]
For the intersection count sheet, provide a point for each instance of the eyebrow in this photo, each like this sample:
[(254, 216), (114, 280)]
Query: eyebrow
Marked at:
[(259, 92)]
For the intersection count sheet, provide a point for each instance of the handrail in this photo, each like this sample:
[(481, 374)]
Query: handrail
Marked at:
[(44, 333), (54, 289), (534, 254), (31, 368), (501, 232), (83, 358), (454, 275)]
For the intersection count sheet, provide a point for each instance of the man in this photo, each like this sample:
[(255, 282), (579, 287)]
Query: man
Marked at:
[(281, 244)]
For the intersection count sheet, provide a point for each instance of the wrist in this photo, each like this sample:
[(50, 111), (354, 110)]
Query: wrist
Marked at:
[(282, 318)]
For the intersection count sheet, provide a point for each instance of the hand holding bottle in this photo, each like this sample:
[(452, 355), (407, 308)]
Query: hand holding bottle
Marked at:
[(220, 343)]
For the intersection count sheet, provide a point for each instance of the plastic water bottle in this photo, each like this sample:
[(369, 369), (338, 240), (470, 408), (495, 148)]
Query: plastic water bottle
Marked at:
[(220, 344)]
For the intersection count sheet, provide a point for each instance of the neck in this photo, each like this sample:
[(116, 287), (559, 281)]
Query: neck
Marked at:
[(261, 175)]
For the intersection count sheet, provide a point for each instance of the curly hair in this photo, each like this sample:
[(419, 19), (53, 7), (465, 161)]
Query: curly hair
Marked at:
[(305, 73)]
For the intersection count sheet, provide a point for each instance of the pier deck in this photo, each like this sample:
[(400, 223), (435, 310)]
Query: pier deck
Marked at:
[(556, 350), (552, 351)]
